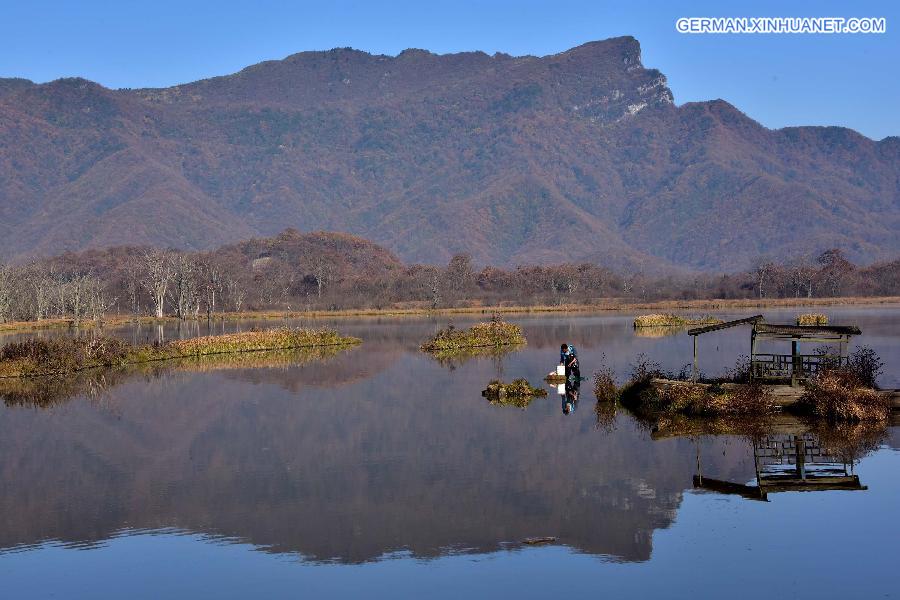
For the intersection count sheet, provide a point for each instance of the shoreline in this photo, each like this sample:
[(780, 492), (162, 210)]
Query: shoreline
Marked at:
[(610, 305)]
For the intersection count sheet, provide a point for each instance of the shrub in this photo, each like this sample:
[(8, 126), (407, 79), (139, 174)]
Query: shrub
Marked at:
[(865, 365), (840, 395), (644, 369), (605, 386), (605, 383)]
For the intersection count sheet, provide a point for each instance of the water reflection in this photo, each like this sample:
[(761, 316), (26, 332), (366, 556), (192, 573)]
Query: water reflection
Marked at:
[(375, 451), (571, 390), (46, 391), (794, 456)]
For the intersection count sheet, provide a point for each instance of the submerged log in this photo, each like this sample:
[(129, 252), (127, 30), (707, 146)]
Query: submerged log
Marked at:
[(538, 541)]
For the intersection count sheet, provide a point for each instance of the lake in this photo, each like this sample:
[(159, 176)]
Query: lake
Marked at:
[(383, 472)]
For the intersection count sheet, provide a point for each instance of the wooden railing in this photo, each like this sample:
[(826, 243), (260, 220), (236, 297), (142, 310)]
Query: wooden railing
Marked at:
[(788, 366)]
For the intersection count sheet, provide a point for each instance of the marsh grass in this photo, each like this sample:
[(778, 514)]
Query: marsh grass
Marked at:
[(605, 389), (840, 395), (518, 393), (52, 390), (38, 357), (810, 319), (672, 320), (492, 334), (680, 397)]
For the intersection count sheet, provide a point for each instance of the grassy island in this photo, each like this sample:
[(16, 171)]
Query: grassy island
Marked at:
[(56, 389), (672, 320), (516, 393), (493, 334), (37, 357), (812, 319)]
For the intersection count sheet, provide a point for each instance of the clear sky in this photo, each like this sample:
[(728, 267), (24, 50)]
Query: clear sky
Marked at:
[(844, 79)]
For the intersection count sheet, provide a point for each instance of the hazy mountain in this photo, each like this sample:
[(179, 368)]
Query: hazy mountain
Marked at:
[(579, 155)]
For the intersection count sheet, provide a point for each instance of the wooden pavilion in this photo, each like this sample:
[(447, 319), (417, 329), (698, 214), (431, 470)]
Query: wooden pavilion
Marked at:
[(794, 367)]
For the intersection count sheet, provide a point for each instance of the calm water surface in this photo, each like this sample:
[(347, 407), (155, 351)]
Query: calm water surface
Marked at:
[(383, 472)]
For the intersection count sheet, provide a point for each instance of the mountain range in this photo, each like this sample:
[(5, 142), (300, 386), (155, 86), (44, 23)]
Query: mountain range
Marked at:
[(577, 156)]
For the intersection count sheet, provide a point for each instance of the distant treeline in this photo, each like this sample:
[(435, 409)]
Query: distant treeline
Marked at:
[(325, 271)]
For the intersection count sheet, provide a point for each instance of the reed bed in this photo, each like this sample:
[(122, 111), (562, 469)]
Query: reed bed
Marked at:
[(492, 334), (643, 396), (51, 390), (46, 391), (516, 393), (840, 395), (672, 320), (37, 357), (695, 399), (812, 319)]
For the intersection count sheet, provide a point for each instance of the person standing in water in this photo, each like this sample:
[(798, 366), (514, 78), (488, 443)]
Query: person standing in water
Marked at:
[(568, 357)]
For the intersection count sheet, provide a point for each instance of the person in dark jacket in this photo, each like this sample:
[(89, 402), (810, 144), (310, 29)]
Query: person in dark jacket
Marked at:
[(568, 357)]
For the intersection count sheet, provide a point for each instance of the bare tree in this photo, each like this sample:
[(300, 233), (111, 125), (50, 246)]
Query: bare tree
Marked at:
[(40, 282), (97, 301), (211, 282), (459, 276), (184, 293), (158, 272), (236, 293), (133, 272), (322, 271), (6, 293), (835, 269), (763, 269), (435, 289)]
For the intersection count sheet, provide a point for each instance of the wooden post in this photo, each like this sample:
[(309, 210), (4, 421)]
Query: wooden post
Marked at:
[(800, 456), (694, 371), (697, 447), (752, 350), (795, 363)]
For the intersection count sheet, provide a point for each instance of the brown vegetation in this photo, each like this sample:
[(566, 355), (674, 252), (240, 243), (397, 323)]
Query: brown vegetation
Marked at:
[(92, 383), (518, 393), (672, 320), (335, 274), (810, 319), (67, 354), (493, 334), (840, 395), (605, 389)]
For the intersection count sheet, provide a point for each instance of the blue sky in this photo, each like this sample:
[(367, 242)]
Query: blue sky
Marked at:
[(849, 80)]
